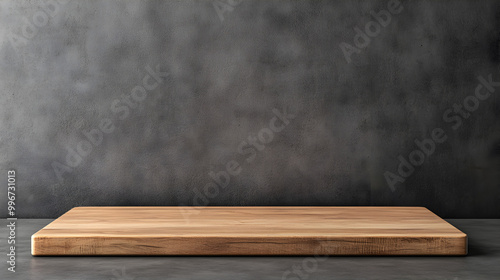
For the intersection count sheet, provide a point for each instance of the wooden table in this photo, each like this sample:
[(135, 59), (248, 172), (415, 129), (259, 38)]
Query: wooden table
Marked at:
[(249, 231)]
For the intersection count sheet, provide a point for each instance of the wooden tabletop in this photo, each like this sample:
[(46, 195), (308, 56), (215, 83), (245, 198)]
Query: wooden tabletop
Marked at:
[(249, 231)]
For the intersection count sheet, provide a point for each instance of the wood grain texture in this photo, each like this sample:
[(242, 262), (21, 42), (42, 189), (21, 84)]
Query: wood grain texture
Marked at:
[(249, 231)]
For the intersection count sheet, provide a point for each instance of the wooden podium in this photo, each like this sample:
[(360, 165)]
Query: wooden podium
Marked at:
[(98, 231)]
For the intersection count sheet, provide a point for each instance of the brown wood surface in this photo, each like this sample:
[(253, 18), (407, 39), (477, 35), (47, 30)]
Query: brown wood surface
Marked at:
[(249, 231)]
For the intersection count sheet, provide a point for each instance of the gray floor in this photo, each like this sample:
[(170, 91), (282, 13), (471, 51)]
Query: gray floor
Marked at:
[(483, 262)]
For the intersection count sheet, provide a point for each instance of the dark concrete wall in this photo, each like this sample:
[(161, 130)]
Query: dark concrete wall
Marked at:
[(68, 69)]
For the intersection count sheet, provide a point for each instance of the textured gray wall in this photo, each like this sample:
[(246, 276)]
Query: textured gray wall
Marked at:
[(354, 106)]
